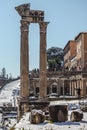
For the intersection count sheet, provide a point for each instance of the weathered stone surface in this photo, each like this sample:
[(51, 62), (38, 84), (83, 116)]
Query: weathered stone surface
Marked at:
[(61, 116), (76, 116), (43, 60), (58, 113), (24, 60), (36, 116)]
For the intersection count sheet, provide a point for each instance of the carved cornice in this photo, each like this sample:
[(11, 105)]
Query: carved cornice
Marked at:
[(22, 9)]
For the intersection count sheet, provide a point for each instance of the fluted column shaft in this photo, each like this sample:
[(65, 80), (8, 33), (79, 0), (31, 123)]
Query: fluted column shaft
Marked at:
[(24, 60), (43, 60)]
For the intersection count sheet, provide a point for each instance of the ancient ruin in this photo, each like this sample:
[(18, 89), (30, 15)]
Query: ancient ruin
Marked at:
[(46, 84), (32, 16)]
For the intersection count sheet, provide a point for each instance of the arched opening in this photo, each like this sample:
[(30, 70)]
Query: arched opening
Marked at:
[(37, 91), (67, 88), (54, 88)]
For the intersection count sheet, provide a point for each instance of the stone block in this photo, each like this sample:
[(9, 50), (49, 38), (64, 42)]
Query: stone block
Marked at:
[(76, 116), (36, 116), (58, 113)]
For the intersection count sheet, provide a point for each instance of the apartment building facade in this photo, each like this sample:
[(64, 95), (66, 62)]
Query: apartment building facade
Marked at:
[(81, 51), (75, 59), (69, 55)]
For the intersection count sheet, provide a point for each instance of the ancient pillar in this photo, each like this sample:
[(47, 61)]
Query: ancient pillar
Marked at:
[(24, 58), (43, 60)]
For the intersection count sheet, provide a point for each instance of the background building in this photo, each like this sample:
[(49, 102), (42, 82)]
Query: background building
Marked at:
[(75, 59), (70, 55)]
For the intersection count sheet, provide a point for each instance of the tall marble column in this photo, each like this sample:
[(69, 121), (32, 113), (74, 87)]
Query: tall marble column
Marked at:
[(43, 60), (24, 60)]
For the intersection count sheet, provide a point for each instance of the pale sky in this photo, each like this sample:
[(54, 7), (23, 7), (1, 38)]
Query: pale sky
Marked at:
[(67, 19)]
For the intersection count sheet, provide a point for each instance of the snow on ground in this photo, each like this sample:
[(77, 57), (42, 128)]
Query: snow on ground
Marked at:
[(7, 95), (68, 125), (9, 92)]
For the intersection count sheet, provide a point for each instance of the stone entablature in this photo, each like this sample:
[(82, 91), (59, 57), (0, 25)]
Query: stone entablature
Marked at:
[(31, 16)]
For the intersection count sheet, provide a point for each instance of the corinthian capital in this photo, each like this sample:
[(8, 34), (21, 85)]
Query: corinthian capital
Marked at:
[(43, 26), (24, 25)]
